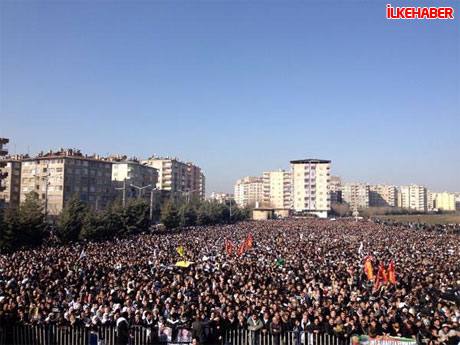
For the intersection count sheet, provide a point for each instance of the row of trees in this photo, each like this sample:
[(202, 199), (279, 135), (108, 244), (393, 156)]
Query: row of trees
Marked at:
[(25, 225), (199, 212)]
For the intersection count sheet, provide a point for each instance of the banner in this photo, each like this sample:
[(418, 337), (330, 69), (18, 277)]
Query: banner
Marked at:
[(366, 340)]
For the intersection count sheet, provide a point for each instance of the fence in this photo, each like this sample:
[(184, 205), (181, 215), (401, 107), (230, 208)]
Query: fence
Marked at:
[(68, 335)]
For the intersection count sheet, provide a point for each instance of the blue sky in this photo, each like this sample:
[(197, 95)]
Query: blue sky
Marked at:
[(238, 87)]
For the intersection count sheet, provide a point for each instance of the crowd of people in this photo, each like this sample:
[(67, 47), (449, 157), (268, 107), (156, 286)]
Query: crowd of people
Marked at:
[(297, 275)]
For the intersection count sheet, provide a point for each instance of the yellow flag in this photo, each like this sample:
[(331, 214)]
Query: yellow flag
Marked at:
[(183, 263), (180, 251)]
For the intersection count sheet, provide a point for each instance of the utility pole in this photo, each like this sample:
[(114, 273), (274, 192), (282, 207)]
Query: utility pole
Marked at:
[(124, 192), (140, 189), (46, 190), (151, 203)]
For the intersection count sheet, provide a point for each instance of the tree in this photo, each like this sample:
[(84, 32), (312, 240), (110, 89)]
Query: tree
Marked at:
[(32, 225), (170, 215), (71, 219), (187, 215), (136, 217), (9, 222)]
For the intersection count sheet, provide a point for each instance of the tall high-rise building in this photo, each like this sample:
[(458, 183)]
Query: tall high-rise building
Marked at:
[(57, 176), (134, 177), (336, 190), (277, 189), (414, 197), (356, 195), (177, 178), (3, 174), (249, 191), (311, 186), (444, 201), (383, 195), (10, 193)]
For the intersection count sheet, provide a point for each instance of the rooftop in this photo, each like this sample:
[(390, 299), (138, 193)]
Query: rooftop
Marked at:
[(310, 160)]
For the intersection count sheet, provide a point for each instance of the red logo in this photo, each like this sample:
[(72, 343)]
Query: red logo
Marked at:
[(419, 12)]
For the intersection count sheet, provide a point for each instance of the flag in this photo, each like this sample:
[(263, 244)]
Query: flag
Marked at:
[(377, 283), (383, 273), (183, 263), (82, 254), (227, 245), (368, 269), (391, 272), (279, 262), (360, 250), (240, 250), (249, 242), (180, 251)]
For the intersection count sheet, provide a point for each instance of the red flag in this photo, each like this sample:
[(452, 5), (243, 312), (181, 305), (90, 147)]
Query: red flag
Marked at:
[(377, 283), (368, 269), (240, 250), (391, 272), (248, 242), (383, 273)]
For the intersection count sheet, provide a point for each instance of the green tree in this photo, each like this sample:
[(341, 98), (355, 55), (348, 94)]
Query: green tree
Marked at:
[(9, 222), (136, 217), (32, 224), (71, 219), (187, 215), (170, 215)]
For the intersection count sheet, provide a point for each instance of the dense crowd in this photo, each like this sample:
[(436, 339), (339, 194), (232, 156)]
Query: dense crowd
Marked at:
[(298, 275)]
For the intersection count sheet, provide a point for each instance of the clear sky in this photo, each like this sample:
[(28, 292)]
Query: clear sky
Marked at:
[(238, 87)]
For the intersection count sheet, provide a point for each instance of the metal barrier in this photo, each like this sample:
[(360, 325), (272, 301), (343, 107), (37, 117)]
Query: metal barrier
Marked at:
[(106, 335), (245, 337)]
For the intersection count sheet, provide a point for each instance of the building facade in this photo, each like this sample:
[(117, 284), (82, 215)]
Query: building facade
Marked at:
[(177, 178), (414, 197), (11, 184), (57, 176), (311, 186), (336, 190), (131, 177), (277, 189), (249, 191), (221, 197), (383, 195), (444, 201), (3, 174), (356, 195)]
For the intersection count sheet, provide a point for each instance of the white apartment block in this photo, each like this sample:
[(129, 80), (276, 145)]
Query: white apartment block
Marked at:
[(414, 197), (311, 186), (336, 189), (383, 195), (277, 189), (249, 191), (179, 179), (356, 195), (133, 176)]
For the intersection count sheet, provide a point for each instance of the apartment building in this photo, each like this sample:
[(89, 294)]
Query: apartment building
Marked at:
[(220, 197), (178, 179), (249, 191), (336, 190), (414, 197), (277, 189), (383, 195), (11, 170), (444, 201), (311, 186), (57, 176), (3, 174), (356, 195), (131, 177)]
